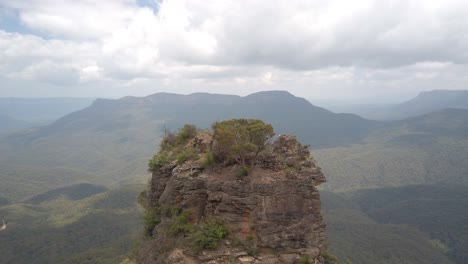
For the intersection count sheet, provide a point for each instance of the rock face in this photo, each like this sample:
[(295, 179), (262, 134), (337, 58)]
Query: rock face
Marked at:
[(275, 209)]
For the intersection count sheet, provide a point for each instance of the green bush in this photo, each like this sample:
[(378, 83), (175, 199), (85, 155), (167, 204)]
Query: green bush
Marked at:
[(158, 161), (179, 220), (184, 155), (208, 235), (180, 224), (252, 251), (239, 139), (186, 133), (209, 160), (151, 219), (168, 142), (244, 171)]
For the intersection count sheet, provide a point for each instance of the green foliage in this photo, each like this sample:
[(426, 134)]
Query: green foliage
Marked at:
[(328, 257), (244, 171), (353, 234), (238, 138), (159, 160), (208, 235), (437, 210), (74, 192), (185, 155), (62, 230), (172, 148), (252, 251), (151, 219), (186, 133), (209, 160), (168, 142), (305, 260), (180, 223), (177, 219)]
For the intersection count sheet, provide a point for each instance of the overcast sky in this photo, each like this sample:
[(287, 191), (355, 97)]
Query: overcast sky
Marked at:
[(318, 49)]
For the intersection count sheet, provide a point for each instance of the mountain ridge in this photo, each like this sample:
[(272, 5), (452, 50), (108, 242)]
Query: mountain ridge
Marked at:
[(423, 103)]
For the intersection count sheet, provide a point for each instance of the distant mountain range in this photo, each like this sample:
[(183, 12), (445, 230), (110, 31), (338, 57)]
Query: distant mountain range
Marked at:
[(317, 126), (111, 140), (424, 103)]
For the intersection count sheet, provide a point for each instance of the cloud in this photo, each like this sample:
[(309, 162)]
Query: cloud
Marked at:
[(33, 58), (326, 44)]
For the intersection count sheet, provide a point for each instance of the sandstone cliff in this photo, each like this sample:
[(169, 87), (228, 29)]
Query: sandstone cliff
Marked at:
[(271, 214)]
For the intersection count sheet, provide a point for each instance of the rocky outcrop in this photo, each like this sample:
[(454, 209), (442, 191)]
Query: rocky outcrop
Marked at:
[(272, 214)]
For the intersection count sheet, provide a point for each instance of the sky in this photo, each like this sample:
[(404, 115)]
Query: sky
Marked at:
[(360, 50)]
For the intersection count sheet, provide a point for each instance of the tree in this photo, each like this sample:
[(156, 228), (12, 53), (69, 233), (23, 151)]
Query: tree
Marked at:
[(239, 138)]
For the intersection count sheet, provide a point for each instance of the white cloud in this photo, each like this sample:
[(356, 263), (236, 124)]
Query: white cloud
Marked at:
[(321, 47)]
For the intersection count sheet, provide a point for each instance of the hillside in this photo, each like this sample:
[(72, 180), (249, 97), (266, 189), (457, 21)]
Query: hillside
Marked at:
[(110, 141), (72, 193), (68, 228), (423, 150), (173, 111), (437, 210), (424, 103), (356, 236)]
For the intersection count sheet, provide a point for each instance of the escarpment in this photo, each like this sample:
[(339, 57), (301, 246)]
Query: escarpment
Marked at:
[(262, 207)]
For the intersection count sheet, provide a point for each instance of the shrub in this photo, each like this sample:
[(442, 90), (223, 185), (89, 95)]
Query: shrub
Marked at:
[(252, 251), (180, 224), (177, 218), (244, 171), (209, 160), (209, 234), (184, 155), (150, 220), (168, 142), (158, 161), (241, 138), (186, 133)]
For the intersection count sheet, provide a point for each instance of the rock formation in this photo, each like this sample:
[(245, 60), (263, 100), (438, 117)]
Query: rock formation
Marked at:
[(272, 214)]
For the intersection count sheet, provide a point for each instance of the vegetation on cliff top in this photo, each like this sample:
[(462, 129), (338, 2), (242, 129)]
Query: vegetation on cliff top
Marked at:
[(239, 138), (235, 141)]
